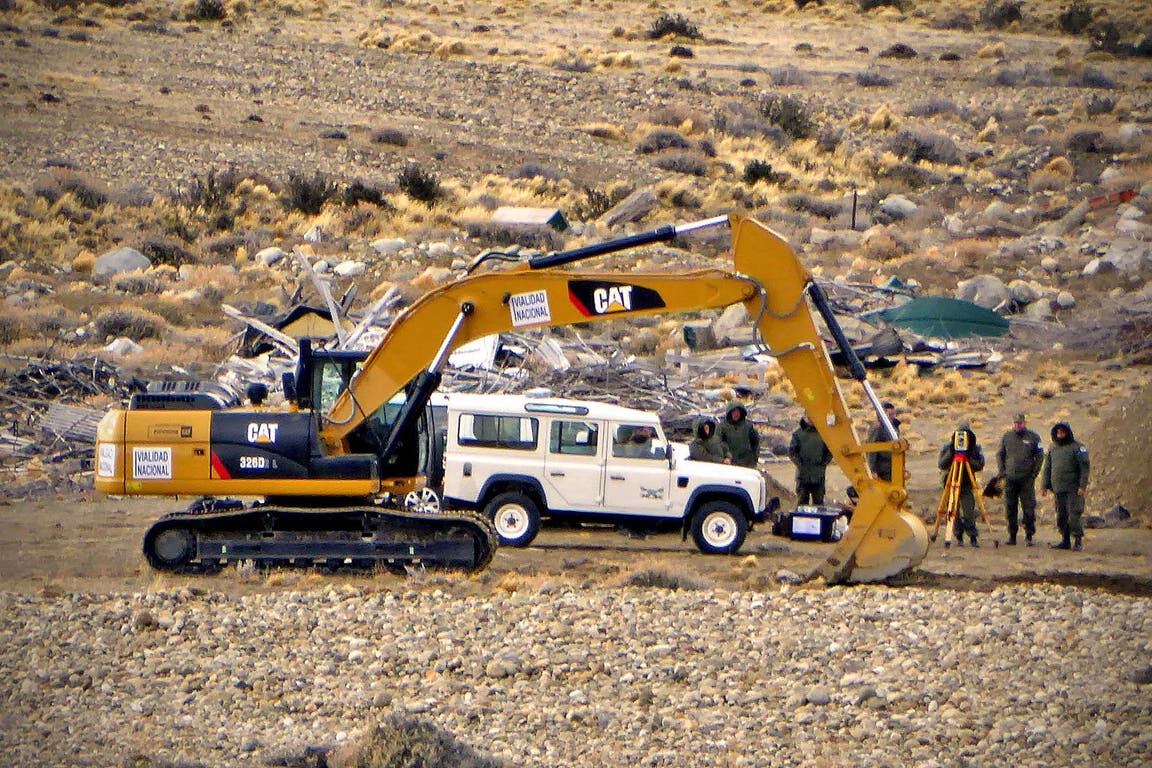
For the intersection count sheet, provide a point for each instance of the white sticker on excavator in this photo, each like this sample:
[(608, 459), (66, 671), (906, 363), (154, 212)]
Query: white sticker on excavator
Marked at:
[(151, 463), (107, 464), (530, 308)]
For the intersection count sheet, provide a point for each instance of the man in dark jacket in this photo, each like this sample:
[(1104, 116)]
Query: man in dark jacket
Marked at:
[(1018, 462), (962, 445), (1066, 475), (706, 445), (811, 457), (740, 436), (881, 463)]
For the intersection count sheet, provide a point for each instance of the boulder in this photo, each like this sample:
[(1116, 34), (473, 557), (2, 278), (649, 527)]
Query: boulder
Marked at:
[(436, 250), (270, 255), (349, 268), (432, 277), (388, 246), (1023, 292), (120, 260), (1065, 300), (632, 208), (1097, 266), (1050, 264), (1039, 310), (987, 291), (123, 347), (1129, 255), (898, 206)]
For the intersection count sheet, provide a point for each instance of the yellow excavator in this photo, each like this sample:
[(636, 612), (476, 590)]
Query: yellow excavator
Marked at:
[(339, 472)]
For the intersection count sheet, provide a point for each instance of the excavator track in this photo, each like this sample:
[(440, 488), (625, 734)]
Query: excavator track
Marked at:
[(207, 535)]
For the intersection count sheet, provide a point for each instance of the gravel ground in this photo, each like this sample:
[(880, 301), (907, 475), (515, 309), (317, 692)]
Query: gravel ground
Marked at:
[(563, 676)]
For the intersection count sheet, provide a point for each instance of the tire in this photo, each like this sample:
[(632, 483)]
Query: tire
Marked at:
[(719, 528), (171, 549), (515, 517)]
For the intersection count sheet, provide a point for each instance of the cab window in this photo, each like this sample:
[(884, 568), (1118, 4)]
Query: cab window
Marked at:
[(574, 438), (518, 433), (637, 441)]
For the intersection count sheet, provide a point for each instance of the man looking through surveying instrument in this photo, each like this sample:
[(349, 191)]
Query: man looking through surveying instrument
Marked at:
[(961, 458)]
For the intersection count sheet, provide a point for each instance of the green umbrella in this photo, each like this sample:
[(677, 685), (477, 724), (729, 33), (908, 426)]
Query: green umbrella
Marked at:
[(944, 318)]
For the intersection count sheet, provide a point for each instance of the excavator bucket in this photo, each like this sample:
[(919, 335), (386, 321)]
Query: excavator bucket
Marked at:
[(883, 539)]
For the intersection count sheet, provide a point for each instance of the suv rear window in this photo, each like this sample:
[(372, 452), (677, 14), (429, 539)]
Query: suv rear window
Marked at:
[(518, 433)]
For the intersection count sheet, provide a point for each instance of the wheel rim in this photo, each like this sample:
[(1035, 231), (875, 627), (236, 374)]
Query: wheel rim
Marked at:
[(174, 546), (719, 530), (511, 521), (424, 500)]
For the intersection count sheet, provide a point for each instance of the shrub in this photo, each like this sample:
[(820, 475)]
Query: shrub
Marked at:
[(208, 10), (654, 578), (1106, 37), (136, 324), (358, 192), (825, 209), (789, 75), (10, 330), (761, 170), (419, 184), (59, 182), (932, 107), (542, 237), (212, 192), (535, 171), (308, 194), (402, 740), (392, 136), (1091, 78), (805, 3), (662, 139), (681, 52), (1076, 18), (672, 24), (917, 145), (867, 5), (997, 14), (682, 162), (872, 80), (596, 202), (164, 252), (789, 114)]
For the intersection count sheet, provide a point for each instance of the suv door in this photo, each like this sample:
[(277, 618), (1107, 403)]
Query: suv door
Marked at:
[(574, 466), (637, 478)]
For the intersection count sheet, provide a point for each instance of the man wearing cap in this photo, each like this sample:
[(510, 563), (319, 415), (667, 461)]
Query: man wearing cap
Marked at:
[(1019, 461)]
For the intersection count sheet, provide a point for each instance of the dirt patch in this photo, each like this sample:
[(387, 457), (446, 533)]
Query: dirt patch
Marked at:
[(1119, 449)]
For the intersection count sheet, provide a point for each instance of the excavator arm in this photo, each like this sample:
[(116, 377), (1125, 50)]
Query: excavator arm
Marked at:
[(768, 279)]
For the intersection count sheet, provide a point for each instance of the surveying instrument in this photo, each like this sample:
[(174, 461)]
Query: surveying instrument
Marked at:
[(958, 471)]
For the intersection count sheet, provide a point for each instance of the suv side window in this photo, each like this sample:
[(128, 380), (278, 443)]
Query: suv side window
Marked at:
[(575, 438), (637, 441), (518, 433)]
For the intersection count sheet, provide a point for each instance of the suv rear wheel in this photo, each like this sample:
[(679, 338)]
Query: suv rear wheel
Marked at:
[(719, 528), (515, 517)]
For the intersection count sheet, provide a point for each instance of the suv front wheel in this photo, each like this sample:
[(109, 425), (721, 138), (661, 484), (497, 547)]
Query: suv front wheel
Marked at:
[(719, 528), (515, 517)]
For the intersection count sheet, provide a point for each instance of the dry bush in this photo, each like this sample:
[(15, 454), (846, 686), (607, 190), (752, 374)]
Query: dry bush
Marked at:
[(687, 119), (58, 182), (604, 131), (997, 14), (932, 107), (136, 283), (915, 145), (11, 329), (391, 136), (1075, 18), (869, 79), (690, 163), (672, 24), (662, 139), (790, 114), (214, 282), (420, 184), (656, 576), (308, 194), (403, 741), (131, 322), (789, 74), (540, 237)]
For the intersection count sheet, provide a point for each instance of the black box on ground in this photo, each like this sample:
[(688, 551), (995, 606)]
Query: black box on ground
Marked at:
[(809, 523)]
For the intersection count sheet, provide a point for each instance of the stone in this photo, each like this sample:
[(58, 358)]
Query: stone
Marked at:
[(1097, 266), (120, 260), (349, 268), (315, 234), (1040, 310), (732, 324), (123, 347), (388, 246), (1050, 264), (432, 277), (1129, 255), (1023, 292), (437, 250), (271, 255), (632, 208), (898, 206), (987, 291), (1065, 300)]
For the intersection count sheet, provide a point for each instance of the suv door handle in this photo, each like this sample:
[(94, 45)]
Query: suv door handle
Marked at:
[(556, 474), (615, 477)]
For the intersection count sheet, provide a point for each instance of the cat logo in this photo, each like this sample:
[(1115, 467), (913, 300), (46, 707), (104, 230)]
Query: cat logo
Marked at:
[(262, 433), (600, 297), (618, 298)]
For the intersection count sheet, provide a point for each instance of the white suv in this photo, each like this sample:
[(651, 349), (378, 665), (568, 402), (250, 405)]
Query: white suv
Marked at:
[(520, 459)]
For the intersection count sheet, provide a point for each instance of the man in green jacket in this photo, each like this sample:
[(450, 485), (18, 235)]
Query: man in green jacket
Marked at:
[(706, 445), (811, 457), (740, 436), (1018, 462), (962, 446), (881, 463), (1066, 475)]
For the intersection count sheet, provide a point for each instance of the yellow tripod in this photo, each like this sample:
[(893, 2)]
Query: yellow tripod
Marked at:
[(949, 507)]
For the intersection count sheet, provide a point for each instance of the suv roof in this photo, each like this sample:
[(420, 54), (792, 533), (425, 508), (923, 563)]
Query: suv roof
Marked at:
[(503, 403)]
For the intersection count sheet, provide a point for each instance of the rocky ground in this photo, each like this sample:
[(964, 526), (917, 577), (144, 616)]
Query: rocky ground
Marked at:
[(572, 677)]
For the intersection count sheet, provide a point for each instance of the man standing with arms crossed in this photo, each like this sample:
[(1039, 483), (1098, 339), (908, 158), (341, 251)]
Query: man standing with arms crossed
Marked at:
[(1019, 461)]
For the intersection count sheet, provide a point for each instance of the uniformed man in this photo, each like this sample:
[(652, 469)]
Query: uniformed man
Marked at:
[(707, 445), (740, 436), (1019, 461), (881, 463), (1066, 475), (811, 457), (962, 444)]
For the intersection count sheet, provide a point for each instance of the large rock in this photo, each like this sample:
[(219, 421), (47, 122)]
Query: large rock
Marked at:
[(632, 208), (898, 206), (389, 245), (987, 291), (1023, 292), (120, 260), (1131, 256), (270, 255), (349, 268)]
